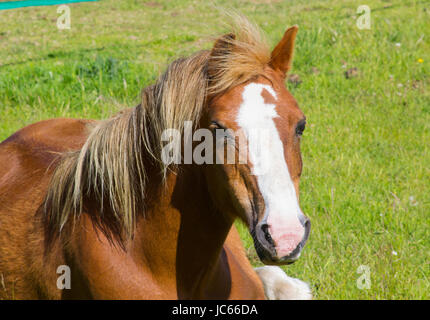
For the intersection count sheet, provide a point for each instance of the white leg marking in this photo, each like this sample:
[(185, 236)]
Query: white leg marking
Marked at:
[(279, 286)]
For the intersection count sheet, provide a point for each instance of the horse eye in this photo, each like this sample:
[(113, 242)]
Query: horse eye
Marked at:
[(215, 125), (300, 128)]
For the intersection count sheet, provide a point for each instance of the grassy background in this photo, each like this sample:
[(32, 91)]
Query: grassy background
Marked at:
[(365, 183)]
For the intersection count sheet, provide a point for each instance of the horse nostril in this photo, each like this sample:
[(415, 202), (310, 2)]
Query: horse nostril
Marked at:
[(265, 229), (307, 226), (307, 223)]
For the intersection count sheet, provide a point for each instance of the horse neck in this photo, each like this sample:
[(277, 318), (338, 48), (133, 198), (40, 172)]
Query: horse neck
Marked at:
[(183, 232)]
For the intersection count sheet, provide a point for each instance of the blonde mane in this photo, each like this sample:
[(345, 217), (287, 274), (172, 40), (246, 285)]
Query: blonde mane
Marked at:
[(107, 177)]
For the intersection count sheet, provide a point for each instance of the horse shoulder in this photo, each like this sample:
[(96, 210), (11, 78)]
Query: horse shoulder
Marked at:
[(25, 157), (101, 269)]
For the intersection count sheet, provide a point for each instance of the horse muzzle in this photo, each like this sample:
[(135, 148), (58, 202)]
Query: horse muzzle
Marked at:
[(278, 244)]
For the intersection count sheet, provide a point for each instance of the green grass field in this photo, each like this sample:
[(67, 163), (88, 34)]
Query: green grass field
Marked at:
[(366, 150)]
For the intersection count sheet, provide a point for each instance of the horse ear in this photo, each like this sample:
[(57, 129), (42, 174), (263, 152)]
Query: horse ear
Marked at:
[(282, 55)]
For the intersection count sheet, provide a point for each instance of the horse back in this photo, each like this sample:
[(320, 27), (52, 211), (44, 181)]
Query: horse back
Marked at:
[(36, 146)]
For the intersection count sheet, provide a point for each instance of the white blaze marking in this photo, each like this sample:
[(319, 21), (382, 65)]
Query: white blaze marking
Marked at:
[(266, 153)]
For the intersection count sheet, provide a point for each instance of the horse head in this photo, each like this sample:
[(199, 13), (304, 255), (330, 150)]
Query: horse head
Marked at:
[(266, 124)]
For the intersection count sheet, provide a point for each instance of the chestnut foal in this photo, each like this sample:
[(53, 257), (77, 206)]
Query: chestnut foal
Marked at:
[(95, 196)]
